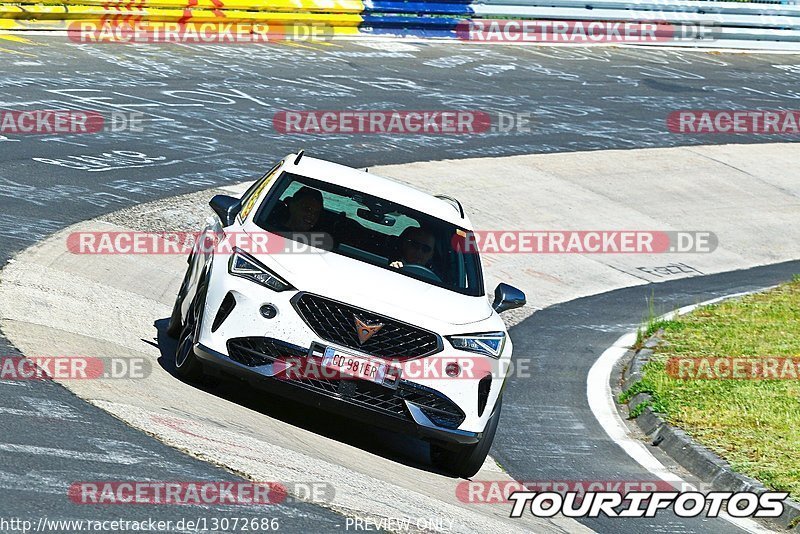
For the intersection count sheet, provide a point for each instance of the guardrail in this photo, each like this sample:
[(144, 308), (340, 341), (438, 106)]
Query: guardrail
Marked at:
[(766, 23)]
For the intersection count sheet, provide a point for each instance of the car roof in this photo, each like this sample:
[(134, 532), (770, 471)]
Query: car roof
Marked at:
[(378, 186)]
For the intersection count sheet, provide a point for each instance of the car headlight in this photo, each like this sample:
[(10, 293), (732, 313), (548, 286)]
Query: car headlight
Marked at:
[(489, 343), (245, 266)]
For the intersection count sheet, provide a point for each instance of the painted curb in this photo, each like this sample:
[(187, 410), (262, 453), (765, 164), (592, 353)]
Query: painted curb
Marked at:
[(693, 457)]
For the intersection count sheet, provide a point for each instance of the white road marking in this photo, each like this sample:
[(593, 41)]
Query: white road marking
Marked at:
[(116, 452), (13, 383)]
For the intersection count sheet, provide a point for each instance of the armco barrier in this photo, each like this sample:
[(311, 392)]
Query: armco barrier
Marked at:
[(764, 24), (731, 23), (343, 16)]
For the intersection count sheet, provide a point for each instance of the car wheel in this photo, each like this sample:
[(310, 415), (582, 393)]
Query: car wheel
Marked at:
[(186, 363), (467, 460)]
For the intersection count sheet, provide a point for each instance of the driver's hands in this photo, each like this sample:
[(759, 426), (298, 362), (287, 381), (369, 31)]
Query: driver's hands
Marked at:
[(396, 264)]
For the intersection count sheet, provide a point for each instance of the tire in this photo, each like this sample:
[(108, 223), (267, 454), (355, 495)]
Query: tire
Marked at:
[(186, 363), (467, 460), (175, 326), (175, 322)]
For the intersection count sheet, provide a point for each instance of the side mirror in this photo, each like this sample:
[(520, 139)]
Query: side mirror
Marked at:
[(507, 297), (226, 208)]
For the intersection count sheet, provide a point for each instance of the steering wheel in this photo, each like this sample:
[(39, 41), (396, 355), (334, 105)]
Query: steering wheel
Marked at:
[(421, 270)]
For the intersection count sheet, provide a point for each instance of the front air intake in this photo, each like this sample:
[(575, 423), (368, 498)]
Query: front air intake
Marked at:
[(484, 386), (225, 309)]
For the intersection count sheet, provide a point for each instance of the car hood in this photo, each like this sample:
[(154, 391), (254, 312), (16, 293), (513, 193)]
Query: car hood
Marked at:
[(376, 289)]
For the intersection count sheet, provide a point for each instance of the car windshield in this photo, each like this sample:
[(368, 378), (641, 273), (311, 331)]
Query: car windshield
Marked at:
[(373, 230)]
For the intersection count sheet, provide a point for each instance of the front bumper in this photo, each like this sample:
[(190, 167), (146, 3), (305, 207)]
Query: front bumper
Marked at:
[(245, 320), (402, 410)]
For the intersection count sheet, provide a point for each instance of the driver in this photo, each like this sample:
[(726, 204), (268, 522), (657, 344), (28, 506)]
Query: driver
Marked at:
[(305, 207), (416, 248)]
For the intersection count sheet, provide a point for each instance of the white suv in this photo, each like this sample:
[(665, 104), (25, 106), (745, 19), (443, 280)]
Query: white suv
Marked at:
[(355, 294)]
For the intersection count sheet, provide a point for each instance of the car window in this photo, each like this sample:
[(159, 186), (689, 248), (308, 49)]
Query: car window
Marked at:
[(373, 230), (343, 204)]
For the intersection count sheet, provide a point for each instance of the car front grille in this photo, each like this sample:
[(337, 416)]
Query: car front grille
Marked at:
[(258, 351), (335, 322)]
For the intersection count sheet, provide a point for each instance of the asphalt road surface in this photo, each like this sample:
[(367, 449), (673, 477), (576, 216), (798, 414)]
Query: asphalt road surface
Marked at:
[(207, 115)]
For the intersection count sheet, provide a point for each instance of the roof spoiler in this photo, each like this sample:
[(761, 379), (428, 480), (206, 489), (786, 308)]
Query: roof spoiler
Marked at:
[(455, 203)]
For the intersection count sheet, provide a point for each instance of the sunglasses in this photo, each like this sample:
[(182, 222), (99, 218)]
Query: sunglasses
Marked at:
[(423, 247)]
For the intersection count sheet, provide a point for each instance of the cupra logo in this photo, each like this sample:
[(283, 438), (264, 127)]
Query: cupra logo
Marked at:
[(365, 331)]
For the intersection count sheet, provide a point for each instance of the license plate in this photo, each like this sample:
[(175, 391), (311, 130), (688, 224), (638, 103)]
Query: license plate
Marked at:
[(361, 367)]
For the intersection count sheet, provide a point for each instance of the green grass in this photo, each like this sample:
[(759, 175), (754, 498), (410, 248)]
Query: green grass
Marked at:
[(651, 324), (753, 424)]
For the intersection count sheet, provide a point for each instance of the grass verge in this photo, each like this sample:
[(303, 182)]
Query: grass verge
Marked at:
[(753, 424)]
